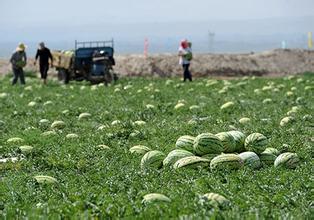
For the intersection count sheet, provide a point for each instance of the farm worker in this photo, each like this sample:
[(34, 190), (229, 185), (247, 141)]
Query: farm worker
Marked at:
[(185, 54), (44, 55), (18, 61)]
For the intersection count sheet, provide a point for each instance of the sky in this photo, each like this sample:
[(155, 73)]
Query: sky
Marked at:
[(250, 24), (36, 12)]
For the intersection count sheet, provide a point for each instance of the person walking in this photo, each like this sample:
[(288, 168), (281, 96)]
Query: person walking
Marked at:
[(44, 55), (18, 61), (185, 54)]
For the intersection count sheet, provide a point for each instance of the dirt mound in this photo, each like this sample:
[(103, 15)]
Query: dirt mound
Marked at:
[(275, 62)]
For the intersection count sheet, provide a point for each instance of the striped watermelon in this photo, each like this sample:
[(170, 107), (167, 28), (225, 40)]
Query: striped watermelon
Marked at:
[(287, 160), (155, 197), (286, 120), (226, 162), (15, 140), (45, 179), (256, 142), (216, 199), (239, 139), (185, 142), (139, 149), (250, 159), (227, 141), (209, 156), (57, 125), (26, 149), (152, 159), (207, 143), (227, 105), (175, 155), (269, 155), (244, 121), (191, 162), (272, 150)]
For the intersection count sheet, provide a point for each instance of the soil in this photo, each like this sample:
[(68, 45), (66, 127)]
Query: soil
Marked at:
[(269, 63)]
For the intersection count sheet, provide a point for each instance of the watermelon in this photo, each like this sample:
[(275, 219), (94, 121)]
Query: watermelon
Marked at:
[(14, 140), (185, 142), (191, 162), (139, 149), (152, 159), (207, 143), (239, 139), (192, 122), (250, 159), (102, 147), (272, 151), (116, 122), (48, 103), (269, 155), (155, 197), (267, 158), (71, 136), (244, 121), (266, 101), (57, 125), (209, 156), (179, 106), (84, 115), (227, 105), (226, 162), (194, 107), (256, 142), (287, 160), (134, 134), (286, 120), (43, 121), (139, 123), (175, 155), (49, 133), (45, 179), (150, 106), (20, 63), (3, 95), (26, 149), (32, 104), (216, 199), (227, 141)]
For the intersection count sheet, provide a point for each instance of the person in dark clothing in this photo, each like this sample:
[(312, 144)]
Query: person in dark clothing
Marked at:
[(18, 61), (44, 55)]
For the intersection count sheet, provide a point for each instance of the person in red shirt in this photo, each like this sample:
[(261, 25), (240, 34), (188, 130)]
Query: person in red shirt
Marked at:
[(185, 54)]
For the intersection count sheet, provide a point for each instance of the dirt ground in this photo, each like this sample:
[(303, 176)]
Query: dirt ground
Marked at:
[(269, 63)]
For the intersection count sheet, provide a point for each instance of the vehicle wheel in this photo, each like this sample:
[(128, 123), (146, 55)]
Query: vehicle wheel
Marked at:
[(108, 78), (64, 75), (115, 76), (61, 75)]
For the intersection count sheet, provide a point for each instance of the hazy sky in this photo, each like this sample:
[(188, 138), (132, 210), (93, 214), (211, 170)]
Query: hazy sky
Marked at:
[(56, 12), (260, 24)]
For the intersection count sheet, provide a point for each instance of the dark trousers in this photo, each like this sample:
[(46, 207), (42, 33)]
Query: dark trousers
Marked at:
[(186, 72), (18, 73), (43, 68)]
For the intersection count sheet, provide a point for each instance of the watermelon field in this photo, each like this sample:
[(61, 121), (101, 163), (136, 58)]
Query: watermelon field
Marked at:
[(95, 152)]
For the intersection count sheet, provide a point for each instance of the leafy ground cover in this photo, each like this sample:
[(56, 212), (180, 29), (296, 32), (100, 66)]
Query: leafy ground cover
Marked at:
[(101, 182)]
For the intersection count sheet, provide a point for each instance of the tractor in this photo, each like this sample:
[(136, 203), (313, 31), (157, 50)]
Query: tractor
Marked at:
[(92, 61)]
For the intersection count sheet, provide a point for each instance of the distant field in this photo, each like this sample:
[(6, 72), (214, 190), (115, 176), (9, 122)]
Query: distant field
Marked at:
[(108, 183)]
